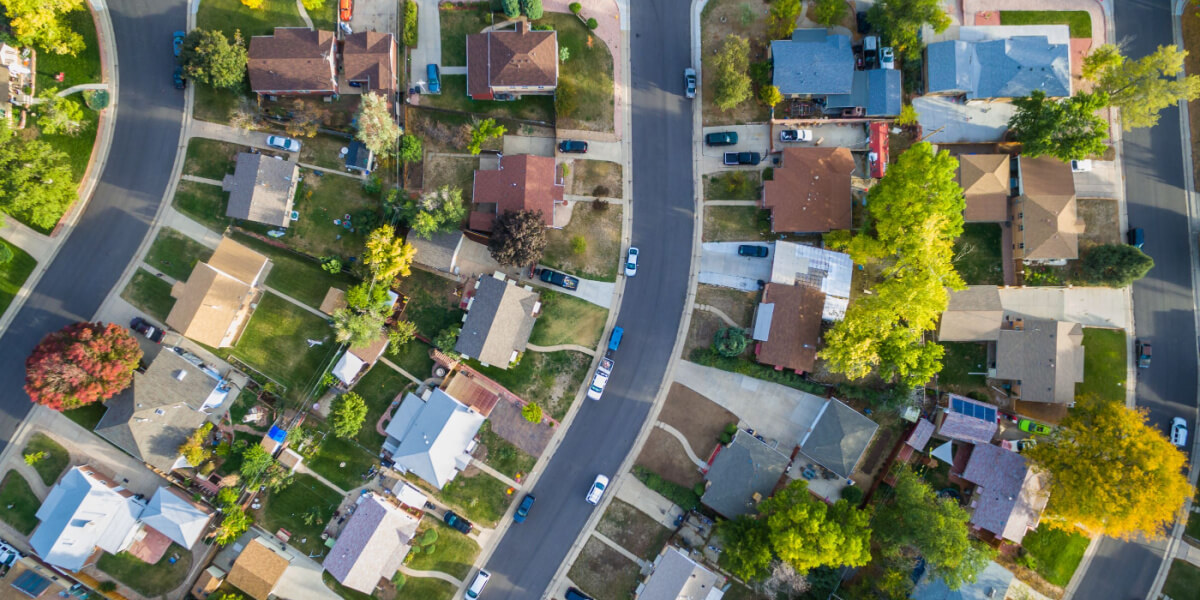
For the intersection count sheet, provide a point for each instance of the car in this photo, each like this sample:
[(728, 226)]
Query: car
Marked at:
[(795, 135), (721, 138), (871, 51), (887, 60), (614, 340), (1081, 166), (434, 79), (345, 27), (1025, 444), (452, 519), (1136, 237), (574, 594), (631, 260), (523, 509), (573, 146), (742, 158), (600, 379), (345, 9), (562, 280), (753, 251), (151, 332), (597, 490), (178, 79), (177, 42), (478, 583), (283, 143), (1143, 354), (1179, 432), (689, 82), (1033, 427), (860, 23)]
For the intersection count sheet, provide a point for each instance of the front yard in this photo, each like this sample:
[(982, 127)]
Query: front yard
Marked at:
[(453, 553), (275, 344), (296, 275), (733, 185), (454, 97), (1104, 364), (18, 503), (321, 200), (550, 379), (457, 22), (343, 462), (176, 254), (1080, 21), (978, 254), (568, 320), (424, 588), (599, 178), (737, 224), (54, 457), (231, 15), (473, 493), (305, 497), (633, 530), (587, 75), (81, 68), (604, 573), (148, 580), (600, 227), (204, 203), (211, 159), (719, 19), (13, 274), (150, 294), (1182, 581), (502, 455), (1056, 553)]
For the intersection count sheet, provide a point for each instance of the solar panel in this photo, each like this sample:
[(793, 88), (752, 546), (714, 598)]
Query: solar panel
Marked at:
[(958, 406), (982, 412)]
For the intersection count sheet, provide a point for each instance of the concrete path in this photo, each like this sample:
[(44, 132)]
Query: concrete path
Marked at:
[(31, 475), (303, 468), (494, 473), (1185, 551), (40, 247), (615, 546), (731, 202), (454, 70), (397, 368), (556, 348), (163, 276), (635, 493), (430, 574), (75, 88), (304, 14), (582, 198), (296, 302), (599, 293), (687, 446), (185, 225), (199, 179), (716, 311)]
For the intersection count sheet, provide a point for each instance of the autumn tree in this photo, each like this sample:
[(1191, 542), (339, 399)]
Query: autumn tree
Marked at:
[(36, 184), (829, 12), (518, 238), (227, 497), (769, 95), (209, 57), (1115, 265), (80, 364), (908, 116), (377, 130), (781, 20), (1111, 472), (233, 525), (532, 412), (41, 23), (193, 449), (386, 255), (731, 69), (59, 114), (483, 131), (1141, 88), (435, 211), (900, 21), (347, 414), (1068, 129), (411, 150), (304, 118)]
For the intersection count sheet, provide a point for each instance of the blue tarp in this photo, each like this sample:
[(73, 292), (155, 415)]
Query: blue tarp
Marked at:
[(277, 434)]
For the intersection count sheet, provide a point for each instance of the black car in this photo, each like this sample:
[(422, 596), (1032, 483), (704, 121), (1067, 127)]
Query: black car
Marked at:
[(860, 21), (457, 522), (152, 332), (742, 158), (721, 138), (573, 146), (560, 279), (753, 251), (177, 77)]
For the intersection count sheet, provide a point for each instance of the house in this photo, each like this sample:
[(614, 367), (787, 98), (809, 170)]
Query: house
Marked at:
[(369, 62), (16, 80), (810, 191), (432, 437), (176, 516), (743, 473), (262, 189), (787, 326), (972, 315), (85, 512), (992, 583), (877, 91), (1009, 495), (258, 568), (215, 303), (359, 158), (522, 182), (507, 64), (358, 359), (985, 181), (967, 420), (293, 61), (439, 252), (826, 271), (209, 581), (166, 403), (372, 545), (675, 575), (838, 437), (1044, 215), (1042, 358), (500, 317), (998, 68), (813, 63)]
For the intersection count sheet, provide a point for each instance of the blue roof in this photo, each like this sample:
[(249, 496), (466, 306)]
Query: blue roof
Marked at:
[(992, 582), (813, 63), (1015, 67), (31, 583), (963, 406), (878, 91), (277, 434)]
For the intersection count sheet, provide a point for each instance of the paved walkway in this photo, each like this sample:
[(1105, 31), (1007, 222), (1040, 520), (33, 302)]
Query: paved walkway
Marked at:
[(332, 171), (556, 348), (1188, 552), (644, 564), (399, 370), (303, 468), (185, 225), (199, 179), (430, 574), (582, 198), (731, 203), (635, 493), (296, 302), (687, 446), (304, 14), (39, 246), (494, 473), (720, 313)]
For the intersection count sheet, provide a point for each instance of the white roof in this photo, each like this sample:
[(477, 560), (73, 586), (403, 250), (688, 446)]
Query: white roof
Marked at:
[(347, 367), (79, 514), (175, 517), (825, 270), (408, 494), (430, 437)]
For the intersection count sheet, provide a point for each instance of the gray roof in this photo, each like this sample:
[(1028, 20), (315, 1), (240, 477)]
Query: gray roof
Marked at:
[(176, 517), (1014, 67), (439, 251), (992, 582), (678, 576), (838, 437), (262, 189), (745, 467), (1045, 356), (499, 321), (430, 437), (813, 63), (878, 91), (79, 514)]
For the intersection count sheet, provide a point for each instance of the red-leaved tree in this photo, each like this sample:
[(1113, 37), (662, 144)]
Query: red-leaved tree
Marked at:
[(80, 364)]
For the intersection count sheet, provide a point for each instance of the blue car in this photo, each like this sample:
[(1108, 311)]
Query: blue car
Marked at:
[(435, 82), (523, 509), (177, 42)]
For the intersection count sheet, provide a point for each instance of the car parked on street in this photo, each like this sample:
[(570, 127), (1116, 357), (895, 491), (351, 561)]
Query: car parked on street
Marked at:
[(1179, 432), (742, 158), (457, 522), (283, 143), (478, 584), (796, 135), (1144, 352), (523, 509), (1033, 427), (573, 146), (575, 594), (562, 280), (600, 379), (631, 260), (1136, 237), (151, 332), (597, 490), (721, 138), (177, 42), (178, 79), (689, 82), (753, 251), (345, 9)]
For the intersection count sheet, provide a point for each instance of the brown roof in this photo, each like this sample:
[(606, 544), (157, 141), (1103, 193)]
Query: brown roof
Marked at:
[(334, 299), (370, 57), (795, 326), (1047, 218), (521, 58), (811, 190), (257, 569), (523, 182), (1045, 356), (216, 297), (262, 189), (972, 315), (294, 59), (984, 180), (371, 352)]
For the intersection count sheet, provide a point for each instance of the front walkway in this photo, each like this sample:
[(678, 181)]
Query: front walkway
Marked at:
[(635, 493)]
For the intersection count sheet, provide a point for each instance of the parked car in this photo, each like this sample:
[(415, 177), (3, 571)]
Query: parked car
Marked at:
[(1143, 354), (178, 79), (860, 22), (177, 42), (796, 135), (345, 27), (562, 280), (631, 260), (742, 158), (753, 250), (597, 490), (345, 9), (151, 332), (1081, 166), (600, 379), (614, 340), (871, 51), (434, 79), (523, 509), (887, 60), (283, 143), (721, 138), (1179, 432), (689, 82), (1136, 237), (1023, 445), (1033, 427), (574, 594), (457, 522), (573, 146), (480, 580)]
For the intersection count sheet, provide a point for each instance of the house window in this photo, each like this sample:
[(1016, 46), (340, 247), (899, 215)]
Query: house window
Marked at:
[(1021, 245)]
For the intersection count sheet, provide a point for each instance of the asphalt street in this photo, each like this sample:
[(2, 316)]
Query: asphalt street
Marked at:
[(145, 138), (1163, 304), (603, 432)]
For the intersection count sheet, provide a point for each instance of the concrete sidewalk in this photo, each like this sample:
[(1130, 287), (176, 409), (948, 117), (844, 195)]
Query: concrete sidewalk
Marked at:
[(635, 493)]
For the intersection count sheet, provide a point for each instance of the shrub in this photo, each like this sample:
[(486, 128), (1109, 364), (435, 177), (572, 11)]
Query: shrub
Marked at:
[(410, 23), (331, 264), (698, 489), (908, 116), (730, 342), (532, 412), (731, 428), (575, 8), (708, 358), (107, 586), (578, 244), (592, 23), (768, 174), (852, 494)]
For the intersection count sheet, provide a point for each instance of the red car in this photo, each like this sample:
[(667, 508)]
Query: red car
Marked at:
[(346, 9)]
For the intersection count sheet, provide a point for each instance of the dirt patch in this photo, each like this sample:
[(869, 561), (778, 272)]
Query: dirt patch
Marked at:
[(507, 422), (720, 18), (1191, 43), (454, 171), (596, 178), (701, 330), (738, 305), (604, 573), (439, 132), (633, 529), (877, 453), (600, 229), (699, 419), (1100, 223), (664, 455)]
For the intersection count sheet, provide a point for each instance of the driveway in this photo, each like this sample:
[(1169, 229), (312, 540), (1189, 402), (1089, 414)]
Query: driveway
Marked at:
[(376, 15), (947, 122), (721, 265), (829, 135), (1090, 306), (751, 138), (1103, 181), (598, 150), (429, 44), (524, 144), (597, 292)]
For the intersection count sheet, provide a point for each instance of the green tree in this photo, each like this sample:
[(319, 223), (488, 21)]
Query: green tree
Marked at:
[(575, 8), (483, 131), (377, 130), (564, 54), (746, 546), (1100, 60), (400, 335), (769, 95), (1067, 129), (781, 20), (446, 340), (227, 497), (358, 328), (40, 23), (331, 264), (255, 463), (436, 211), (235, 523), (829, 12), (900, 21), (532, 412), (1142, 88), (532, 9), (193, 449), (908, 116), (36, 184), (411, 150), (731, 68), (366, 295), (730, 341), (59, 114), (33, 458), (107, 586), (1115, 265), (578, 245), (411, 30), (386, 255), (208, 56), (511, 8), (805, 532), (347, 414)]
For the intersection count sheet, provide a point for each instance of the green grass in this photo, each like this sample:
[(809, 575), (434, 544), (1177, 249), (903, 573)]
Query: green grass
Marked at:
[(322, 150), (414, 358), (84, 67), (962, 358), (212, 104), (550, 379), (320, 201), (1183, 581), (296, 275), (588, 71), (15, 492), (1080, 21), (454, 97), (979, 247), (150, 294), (568, 320), (148, 580), (324, 18), (275, 343), (1104, 365), (334, 452), (682, 496), (77, 148), (176, 254), (1192, 529), (14, 274), (211, 159), (287, 509), (1057, 553), (378, 388), (86, 416), (203, 203), (735, 185), (53, 461), (737, 224), (341, 590), (456, 25), (231, 15), (502, 455), (432, 305), (424, 588), (237, 411), (481, 498), (454, 553)]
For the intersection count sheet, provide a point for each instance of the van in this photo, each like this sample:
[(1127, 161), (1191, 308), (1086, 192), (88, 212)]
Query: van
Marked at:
[(481, 580), (435, 82), (614, 341)]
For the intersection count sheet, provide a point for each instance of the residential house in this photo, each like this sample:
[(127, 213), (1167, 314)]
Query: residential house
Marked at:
[(166, 403), (813, 64), (509, 64), (743, 473), (838, 437), (258, 568), (262, 189), (432, 437), (170, 517), (985, 181), (675, 575), (359, 158), (998, 68), (358, 359), (210, 580), (215, 303), (826, 271), (500, 317), (369, 62), (1045, 219), (294, 61), (992, 583), (1009, 495), (522, 182), (372, 545), (16, 80), (973, 314), (84, 513), (439, 252), (810, 191), (967, 420), (787, 326), (877, 91)]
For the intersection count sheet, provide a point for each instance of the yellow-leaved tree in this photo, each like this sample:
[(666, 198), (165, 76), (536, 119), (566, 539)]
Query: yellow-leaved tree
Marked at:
[(386, 255)]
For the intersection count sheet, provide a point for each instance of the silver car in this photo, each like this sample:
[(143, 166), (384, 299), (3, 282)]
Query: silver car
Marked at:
[(283, 143)]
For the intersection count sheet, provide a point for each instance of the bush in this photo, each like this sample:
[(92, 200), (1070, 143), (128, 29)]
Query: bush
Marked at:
[(698, 489), (410, 23), (731, 428), (532, 412), (592, 23), (730, 342), (725, 438), (1115, 265), (107, 586), (889, 396), (575, 8), (684, 497), (852, 494), (578, 244), (768, 174)]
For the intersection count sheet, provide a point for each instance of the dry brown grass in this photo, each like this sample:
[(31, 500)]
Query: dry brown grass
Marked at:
[(699, 419), (596, 178), (738, 305), (664, 455), (454, 171), (719, 19), (700, 332), (601, 229), (633, 530), (1191, 43), (604, 573), (1100, 222)]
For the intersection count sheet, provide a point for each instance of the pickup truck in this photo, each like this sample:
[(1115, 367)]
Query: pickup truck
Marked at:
[(600, 379), (742, 158), (560, 279), (796, 135)]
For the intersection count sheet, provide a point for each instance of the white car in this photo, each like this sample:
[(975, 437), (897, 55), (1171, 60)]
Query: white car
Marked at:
[(795, 135), (1179, 432), (597, 490), (283, 143), (887, 60), (477, 584), (600, 379), (1081, 166), (631, 262)]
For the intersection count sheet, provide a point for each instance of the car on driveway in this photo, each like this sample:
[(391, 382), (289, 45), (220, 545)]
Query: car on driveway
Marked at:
[(345, 9), (562, 280), (721, 138), (597, 490), (753, 251), (433, 79), (523, 509), (1033, 427), (1081, 166), (742, 158), (795, 135), (177, 42), (631, 261), (689, 82), (600, 379), (887, 60), (573, 146), (575, 594), (1179, 432), (178, 79), (151, 332), (283, 143), (457, 522), (1144, 352)]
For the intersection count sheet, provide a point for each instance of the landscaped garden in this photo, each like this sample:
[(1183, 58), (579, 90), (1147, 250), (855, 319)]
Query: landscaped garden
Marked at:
[(204, 203), (275, 343), (83, 67), (453, 553), (590, 245), (176, 254), (296, 275), (551, 379), (13, 274), (18, 503), (211, 159), (53, 457), (150, 294), (305, 500), (1103, 364), (148, 580), (568, 320)]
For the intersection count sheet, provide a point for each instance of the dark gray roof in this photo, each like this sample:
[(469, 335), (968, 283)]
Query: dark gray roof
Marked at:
[(813, 63), (499, 321), (1006, 68), (745, 467), (262, 189), (877, 91), (358, 156), (439, 252), (838, 438)]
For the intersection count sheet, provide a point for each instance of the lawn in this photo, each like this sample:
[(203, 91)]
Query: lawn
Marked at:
[(599, 178), (719, 19), (456, 25), (88, 415), (453, 553), (633, 530), (211, 159), (737, 224), (502, 455), (1057, 553), (588, 73), (1183, 581), (734, 185), (454, 97), (424, 588), (81, 68), (78, 148), (15, 492), (962, 358), (323, 150), (1104, 365), (13, 275), (600, 226), (1080, 21), (204, 203), (454, 171), (343, 462), (978, 254), (550, 379), (414, 358), (287, 509), (54, 459), (231, 15), (432, 302), (321, 200), (481, 497), (215, 105), (176, 254), (296, 275), (148, 580), (274, 343), (379, 387), (604, 573), (568, 320), (150, 294), (325, 18)]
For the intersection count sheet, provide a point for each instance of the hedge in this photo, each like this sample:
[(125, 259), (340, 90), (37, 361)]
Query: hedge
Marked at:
[(686, 498), (410, 23)]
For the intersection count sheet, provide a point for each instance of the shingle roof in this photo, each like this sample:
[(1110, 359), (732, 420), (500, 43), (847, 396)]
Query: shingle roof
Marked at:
[(294, 59), (262, 189), (973, 315), (216, 297), (370, 57), (795, 326), (877, 91), (838, 437), (499, 321), (999, 68), (810, 192), (920, 434), (984, 179), (257, 570), (1045, 356), (372, 545), (743, 468), (176, 517), (521, 58), (79, 514), (523, 182), (429, 437), (813, 63), (1048, 220), (676, 575), (439, 252), (1009, 497), (968, 427)]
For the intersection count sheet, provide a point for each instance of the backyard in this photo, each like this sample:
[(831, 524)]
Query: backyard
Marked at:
[(633, 530), (551, 379), (568, 320), (599, 178), (150, 294), (599, 226), (378, 388), (977, 254), (343, 462), (210, 159), (587, 75), (204, 203), (54, 457), (414, 357), (432, 302), (962, 359), (18, 504), (274, 343), (737, 224), (304, 498), (323, 150), (604, 573), (321, 200), (1103, 364), (148, 580), (1056, 553), (13, 274), (296, 275), (453, 553), (176, 254), (457, 22), (719, 19), (454, 171)]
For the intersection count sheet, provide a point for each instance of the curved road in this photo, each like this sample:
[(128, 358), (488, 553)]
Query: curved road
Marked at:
[(603, 432), (108, 233)]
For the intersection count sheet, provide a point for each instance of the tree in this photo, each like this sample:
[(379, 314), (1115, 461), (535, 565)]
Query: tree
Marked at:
[(36, 184), (592, 23), (518, 238), (532, 9), (400, 335), (235, 523), (304, 118), (730, 341), (446, 340), (59, 114), (564, 54), (347, 414), (900, 21), (1101, 60), (387, 255), (209, 57), (829, 12), (564, 98), (1142, 88), (193, 449), (483, 131), (253, 4), (33, 458), (575, 7), (411, 31), (80, 364), (436, 211), (411, 150), (908, 116), (1111, 472), (358, 328), (255, 463), (769, 95), (1068, 129), (747, 548), (781, 20), (731, 68), (377, 130), (511, 8), (40, 23), (805, 532), (1115, 265), (313, 5), (227, 497), (331, 264), (365, 296), (532, 412)]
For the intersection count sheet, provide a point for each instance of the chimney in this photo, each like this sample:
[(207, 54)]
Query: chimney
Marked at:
[(180, 374)]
